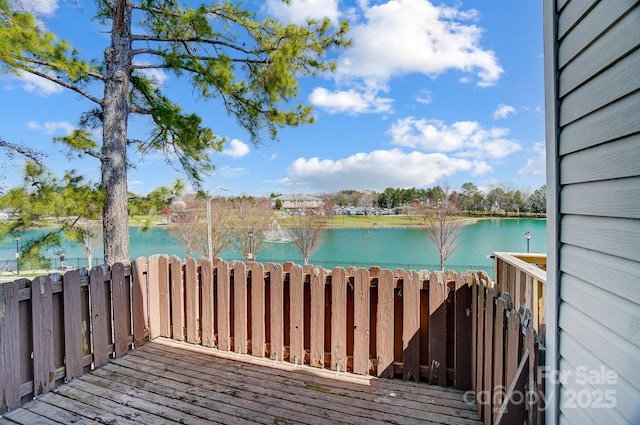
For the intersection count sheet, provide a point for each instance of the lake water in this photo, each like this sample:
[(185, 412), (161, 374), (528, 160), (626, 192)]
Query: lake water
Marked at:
[(386, 247)]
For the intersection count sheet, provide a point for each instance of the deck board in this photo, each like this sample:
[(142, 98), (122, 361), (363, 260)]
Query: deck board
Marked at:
[(166, 381)]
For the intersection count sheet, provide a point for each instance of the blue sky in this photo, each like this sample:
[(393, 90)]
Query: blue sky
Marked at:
[(429, 93)]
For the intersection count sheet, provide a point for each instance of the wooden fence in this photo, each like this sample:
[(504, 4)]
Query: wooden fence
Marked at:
[(524, 276), (507, 356), (55, 328), (386, 323), (401, 323)]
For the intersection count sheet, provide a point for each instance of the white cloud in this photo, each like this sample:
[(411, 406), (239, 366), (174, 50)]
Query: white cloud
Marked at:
[(236, 149), (231, 172), (37, 7), (503, 111), (38, 85), (298, 11), (350, 101), (51, 127), (424, 97), (376, 170), (463, 138), (413, 36), (537, 164), (157, 76)]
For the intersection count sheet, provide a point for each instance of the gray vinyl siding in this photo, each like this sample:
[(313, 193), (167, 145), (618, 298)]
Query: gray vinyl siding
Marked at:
[(593, 131)]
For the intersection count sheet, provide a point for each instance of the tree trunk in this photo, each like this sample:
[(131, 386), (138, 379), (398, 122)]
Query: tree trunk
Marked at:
[(115, 110)]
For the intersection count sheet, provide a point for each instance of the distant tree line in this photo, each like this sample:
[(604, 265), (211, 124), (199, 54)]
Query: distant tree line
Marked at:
[(498, 200)]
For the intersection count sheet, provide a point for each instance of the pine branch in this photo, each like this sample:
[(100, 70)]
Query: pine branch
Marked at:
[(63, 83)]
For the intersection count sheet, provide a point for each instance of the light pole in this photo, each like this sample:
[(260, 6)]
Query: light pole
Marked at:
[(17, 255), (209, 231), (250, 254), (528, 236)]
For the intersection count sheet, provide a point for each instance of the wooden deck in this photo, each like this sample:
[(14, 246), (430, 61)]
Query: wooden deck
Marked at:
[(166, 381)]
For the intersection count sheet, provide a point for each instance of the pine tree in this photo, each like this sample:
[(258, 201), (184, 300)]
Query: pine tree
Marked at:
[(225, 51)]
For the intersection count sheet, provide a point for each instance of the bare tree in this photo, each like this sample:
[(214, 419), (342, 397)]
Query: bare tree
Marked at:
[(222, 229), (443, 226), (307, 233), (188, 223), (89, 234), (253, 218)]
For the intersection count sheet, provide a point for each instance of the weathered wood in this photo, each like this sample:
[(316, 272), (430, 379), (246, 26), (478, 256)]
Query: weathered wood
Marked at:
[(411, 326), (437, 329), (296, 301), (178, 384), (257, 310), (239, 307), (139, 297), (534, 403), (487, 415), (99, 291), (480, 372), (498, 353), (192, 304), (207, 303), (223, 304), (512, 355), (316, 348), (339, 319), (153, 278), (10, 330), (164, 287), (462, 319), (43, 338), (74, 340), (361, 321), (177, 298), (276, 282), (472, 282), (121, 308), (385, 323), (512, 410)]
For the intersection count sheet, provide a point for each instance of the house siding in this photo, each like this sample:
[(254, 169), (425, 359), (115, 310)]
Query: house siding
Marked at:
[(592, 72)]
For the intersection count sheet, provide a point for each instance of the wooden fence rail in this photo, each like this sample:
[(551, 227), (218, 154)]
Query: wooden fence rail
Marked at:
[(524, 276)]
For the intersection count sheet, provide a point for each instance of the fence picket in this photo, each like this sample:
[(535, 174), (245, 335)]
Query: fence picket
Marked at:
[(164, 285), (73, 320), (207, 303), (122, 317), (339, 319), (223, 304), (191, 298), (411, 326), (42, 314), (462, 334), (239, 307), (154, 280), (385, 322), (316, 348), (177, 298), (437, 328), (361, 321), (488, 353), (296, 302), (276, 282), (257, 309), (139, 296), (10, 331)]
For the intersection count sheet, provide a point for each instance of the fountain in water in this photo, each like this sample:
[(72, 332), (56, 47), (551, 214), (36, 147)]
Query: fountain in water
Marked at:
[(277, 234)]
